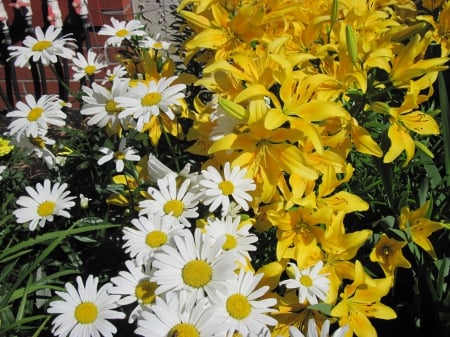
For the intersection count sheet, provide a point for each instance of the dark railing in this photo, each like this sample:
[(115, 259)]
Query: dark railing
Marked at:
[(18, 18)]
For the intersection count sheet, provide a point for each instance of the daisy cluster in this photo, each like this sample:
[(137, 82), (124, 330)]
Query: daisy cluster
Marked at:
[(230, 186)]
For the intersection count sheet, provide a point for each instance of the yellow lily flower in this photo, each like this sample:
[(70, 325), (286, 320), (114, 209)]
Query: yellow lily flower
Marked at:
[(272, 272), (405, 118), (388, 253), (159, 124), (266, 149), (363, 141), (409, 64), (420, 226), (225, 32), (361, 301), (432, 5), (201, 129), (338, 248), (297, 230)]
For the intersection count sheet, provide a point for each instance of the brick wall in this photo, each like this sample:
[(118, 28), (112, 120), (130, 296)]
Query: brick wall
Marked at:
[(100, 12)]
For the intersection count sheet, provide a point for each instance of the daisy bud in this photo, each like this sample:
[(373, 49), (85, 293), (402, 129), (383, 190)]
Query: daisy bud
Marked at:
[(84, 201)]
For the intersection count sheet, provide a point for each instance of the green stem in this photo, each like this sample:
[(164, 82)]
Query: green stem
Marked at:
[(60, 80), (174, 154)]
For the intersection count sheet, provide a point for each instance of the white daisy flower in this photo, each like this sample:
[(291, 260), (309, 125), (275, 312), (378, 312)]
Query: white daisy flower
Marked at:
[(86, 311), (38, 147), (149, 235), (158, 170), (313, 330), (312, 285), (219, 190), (43, 47), (171, 201), (32, 118), (194, 265), (146, 100), (100, 105), (156, 43), (118, 71), (179, 316), (239, 309), (87, 66), (237, 236), (135, 286), (121, 31), (124, 153), (43, 203)]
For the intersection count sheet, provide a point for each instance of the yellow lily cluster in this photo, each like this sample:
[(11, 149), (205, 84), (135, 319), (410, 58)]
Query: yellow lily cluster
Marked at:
[(294, 83)]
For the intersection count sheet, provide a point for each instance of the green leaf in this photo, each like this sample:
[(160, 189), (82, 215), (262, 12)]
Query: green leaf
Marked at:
[(386, 174), (51, 236), (443, 271), (324, 308), (41, 327), (20, 323), (445, 128)]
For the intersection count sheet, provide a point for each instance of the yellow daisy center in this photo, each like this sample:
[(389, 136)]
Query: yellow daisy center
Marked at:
[(86, 312), (230, 242), (112, 108), (90, 69), (306, 280), (238, 306), (145, 291), (152, 98), (227, 187), (157, 45), (46, 208), (183, 330), (119, 155), (176, 207), (122, 32), (196, 273), (41, 45), (35, 114), (156, 239)]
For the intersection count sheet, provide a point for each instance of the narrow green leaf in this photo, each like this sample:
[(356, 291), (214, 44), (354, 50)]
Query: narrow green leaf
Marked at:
[(423, 191), (20, 323), (51, 236), (445, 128), (16, 255), (41, 327), (386, 175), (24, 300), (441, 285)]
